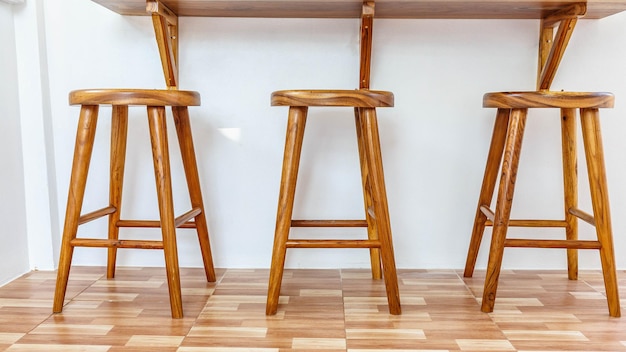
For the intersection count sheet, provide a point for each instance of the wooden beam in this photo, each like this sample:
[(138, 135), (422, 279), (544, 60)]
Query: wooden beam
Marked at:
[(333, 243), (328, 223), (574, 244), (96, 214), (588, 218), (165, 23), (367, 22), (551, 47), (112, 243)]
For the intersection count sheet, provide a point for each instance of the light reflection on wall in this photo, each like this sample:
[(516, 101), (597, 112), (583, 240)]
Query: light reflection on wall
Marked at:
[(232, 133)]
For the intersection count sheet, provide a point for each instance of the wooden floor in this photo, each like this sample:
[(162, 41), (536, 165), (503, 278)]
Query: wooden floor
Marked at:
[(320, 310)]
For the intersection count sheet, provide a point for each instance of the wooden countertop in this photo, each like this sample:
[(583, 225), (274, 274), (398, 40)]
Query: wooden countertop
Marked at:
[(417, 9)]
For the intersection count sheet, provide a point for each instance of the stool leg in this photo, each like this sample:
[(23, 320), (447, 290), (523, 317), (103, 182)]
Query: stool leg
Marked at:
[(80, 167), (161, 158), (381, 210), (570, 185), (119, 132), (185, 140), (372, 232), (599, 196), (291, 162), (492, 170), (502, 214)]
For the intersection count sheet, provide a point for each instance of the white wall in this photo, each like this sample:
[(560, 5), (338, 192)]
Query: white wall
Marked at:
[(42, 230), (13, 240), (434, 141)]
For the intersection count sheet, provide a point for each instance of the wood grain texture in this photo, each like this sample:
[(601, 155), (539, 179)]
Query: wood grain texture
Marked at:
[(512, 109), (368, 202), (190, 166), (359, 98), (548, 99), (83, 148), (155, 101), (551, 49), (596, 171), (367, 31), (296, 123), (451, 9), (163, 180), (492, 170), (377, 221), (374, 162), (504, 202), (166, 34), (148, 97), (320, 310), (569, 157), (117, 161)]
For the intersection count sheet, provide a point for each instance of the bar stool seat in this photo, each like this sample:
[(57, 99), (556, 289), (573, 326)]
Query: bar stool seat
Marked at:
[(376, 219), (120, 100), (502, 161)]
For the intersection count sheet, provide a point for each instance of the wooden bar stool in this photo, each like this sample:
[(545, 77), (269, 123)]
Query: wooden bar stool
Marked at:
[(503, 158), (155, 101), (364, 102), (377, 223)]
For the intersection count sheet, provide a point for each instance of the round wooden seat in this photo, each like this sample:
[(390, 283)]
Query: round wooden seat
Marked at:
[(147, 97), (361, 98), (502, 163), (155, 102), (548, 99)]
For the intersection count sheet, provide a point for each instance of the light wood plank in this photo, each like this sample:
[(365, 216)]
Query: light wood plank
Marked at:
[(528, 9), (535, 309)]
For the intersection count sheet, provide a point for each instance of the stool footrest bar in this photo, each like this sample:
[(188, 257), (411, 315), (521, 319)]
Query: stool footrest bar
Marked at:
[(180, 222), (187, 216), (527, 222), (328, 223), (588, 218), (571, 244), (537, 223), (151, 223), (488, 212), (333, 244), (96, 214), (371, 213), (106, 243)]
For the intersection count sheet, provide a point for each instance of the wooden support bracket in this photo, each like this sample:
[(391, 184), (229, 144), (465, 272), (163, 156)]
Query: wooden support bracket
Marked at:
[(367, 22), (165, 23), (551, 47)]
